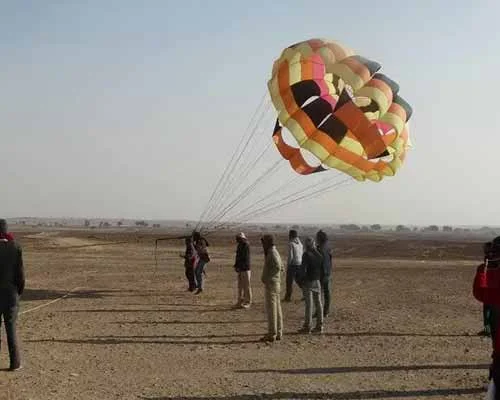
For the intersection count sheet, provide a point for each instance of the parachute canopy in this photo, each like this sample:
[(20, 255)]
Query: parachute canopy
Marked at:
[(338, 107)]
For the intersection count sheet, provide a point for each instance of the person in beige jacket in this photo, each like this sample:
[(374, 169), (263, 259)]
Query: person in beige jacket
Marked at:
[(271, 278)]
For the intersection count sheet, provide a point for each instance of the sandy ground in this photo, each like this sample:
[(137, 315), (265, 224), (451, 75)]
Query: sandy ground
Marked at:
[(404, 324)]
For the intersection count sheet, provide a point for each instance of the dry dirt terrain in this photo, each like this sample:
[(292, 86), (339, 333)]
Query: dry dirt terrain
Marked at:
[(104, 322)]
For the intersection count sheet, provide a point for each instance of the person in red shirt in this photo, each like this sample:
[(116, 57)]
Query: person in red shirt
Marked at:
[(486, 289)]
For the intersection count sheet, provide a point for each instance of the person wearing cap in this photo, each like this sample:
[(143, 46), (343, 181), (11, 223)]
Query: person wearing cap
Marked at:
[(295, 251), (312, 264), (271, 278), (242, 268), (11, 288), (323, 246)]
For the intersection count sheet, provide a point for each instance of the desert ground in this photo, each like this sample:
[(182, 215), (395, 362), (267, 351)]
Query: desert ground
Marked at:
[(106, 322)]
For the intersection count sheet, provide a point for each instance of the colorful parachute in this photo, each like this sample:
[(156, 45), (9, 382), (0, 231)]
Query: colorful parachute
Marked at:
[(339, 108)]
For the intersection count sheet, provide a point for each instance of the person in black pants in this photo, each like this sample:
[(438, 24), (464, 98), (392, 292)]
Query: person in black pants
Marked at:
[(11, 288), (324, 247)]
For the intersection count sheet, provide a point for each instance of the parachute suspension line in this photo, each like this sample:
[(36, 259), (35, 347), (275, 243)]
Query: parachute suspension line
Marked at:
[(314, 194), (229, 188), (234, 189), (229, 165), (249, 214), (270, 171), (234, 166), (264, 198)]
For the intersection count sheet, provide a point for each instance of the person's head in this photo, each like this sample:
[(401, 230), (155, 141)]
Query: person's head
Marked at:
[(3, 226), (267, 242), (310, 243), (492, 249), (293, 234), (241, 237), (321, 237)]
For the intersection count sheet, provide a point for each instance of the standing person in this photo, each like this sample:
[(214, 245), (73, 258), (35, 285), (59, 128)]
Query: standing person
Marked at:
[(201, 245), (242, 267), (190, 260), (326, 277), (271, 278), (11, 288), (487, 309), (485, 290), (312, 264), (295, 251)]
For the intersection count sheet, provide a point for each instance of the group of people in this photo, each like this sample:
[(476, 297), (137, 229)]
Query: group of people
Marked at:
[(196, 259), (309, 265)]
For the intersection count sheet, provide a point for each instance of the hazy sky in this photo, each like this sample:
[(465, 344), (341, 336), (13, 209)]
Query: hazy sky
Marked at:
[(132, 109)]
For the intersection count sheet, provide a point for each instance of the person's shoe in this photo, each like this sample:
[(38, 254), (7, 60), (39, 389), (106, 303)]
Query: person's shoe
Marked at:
[(198, 291), (267, 339), (318, 330), (16, 368), (305, 329), (326, 314), (246, 306), (279, 336)]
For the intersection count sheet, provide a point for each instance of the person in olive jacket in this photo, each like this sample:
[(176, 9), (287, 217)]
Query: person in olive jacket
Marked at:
[(11, 288), (271, 278)]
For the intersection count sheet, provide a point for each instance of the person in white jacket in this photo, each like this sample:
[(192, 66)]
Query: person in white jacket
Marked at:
[(294, 262)]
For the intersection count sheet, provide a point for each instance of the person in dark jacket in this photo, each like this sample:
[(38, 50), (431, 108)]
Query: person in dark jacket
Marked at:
[(323, 246), (312, 264), (190, 259), (242, 268), (11, 288)]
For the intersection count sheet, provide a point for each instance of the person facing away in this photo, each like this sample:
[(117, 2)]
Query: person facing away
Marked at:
[(201, 245), (488, 310), (323, 246), (271, 278), (242, 268), (312, 264), (11, 288), (294, 260), (190, 259), (485, 290)]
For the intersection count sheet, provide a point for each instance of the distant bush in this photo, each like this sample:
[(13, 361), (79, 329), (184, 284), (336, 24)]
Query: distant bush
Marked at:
[(447, 228), (350, 227), (402, 228), (376, 227)]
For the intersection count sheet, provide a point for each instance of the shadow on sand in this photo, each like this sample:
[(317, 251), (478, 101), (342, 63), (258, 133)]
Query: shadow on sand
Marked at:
[(358, 395)]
